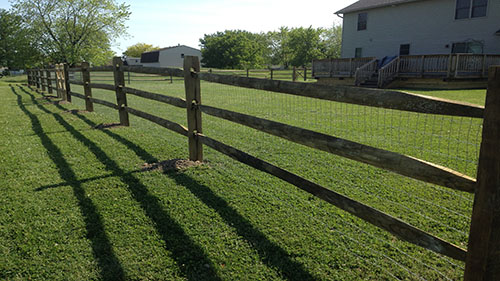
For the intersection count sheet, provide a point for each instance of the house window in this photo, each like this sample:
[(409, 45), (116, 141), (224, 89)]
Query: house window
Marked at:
[(362, 19), (182, 56), (358, 53), (466, 9), (467, 47), (404, 49)]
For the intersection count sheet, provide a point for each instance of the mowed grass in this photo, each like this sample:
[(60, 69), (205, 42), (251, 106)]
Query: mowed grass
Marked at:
[(77, 206)]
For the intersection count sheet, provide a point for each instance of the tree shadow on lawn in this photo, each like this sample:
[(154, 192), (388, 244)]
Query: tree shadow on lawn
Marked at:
[(183, 250), (271, 254), (110, 267)]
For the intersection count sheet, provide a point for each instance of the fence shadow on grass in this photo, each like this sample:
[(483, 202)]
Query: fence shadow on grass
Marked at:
[(184, 251), (270, 253), (110, 267)]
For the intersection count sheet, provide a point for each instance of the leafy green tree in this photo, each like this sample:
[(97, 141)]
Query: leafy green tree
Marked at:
[(74, 30), (305, 45), (234, 49), (16, 49), (280, 52), (332, 41), (137, 49)]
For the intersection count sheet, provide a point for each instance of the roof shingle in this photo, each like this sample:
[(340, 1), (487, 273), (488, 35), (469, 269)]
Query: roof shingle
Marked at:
[(370, 4)]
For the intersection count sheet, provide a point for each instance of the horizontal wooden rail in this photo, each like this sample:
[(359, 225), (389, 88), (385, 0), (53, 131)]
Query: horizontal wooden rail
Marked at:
[(102, 86), (369, 214), (157, 97), (395, 162), (78, 95), (163, 71), (160, 121), (102, 68), (103, 102), (98, 101), (76, 82), (360, 96), (75, 69)]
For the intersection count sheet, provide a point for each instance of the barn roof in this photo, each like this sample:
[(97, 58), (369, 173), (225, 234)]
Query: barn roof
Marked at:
[(172, 47), (371, 4)]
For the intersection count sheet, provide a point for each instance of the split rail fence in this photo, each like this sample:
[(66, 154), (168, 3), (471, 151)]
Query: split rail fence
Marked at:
[(483, 254)]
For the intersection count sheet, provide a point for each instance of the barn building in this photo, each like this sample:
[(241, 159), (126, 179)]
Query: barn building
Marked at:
[(168, 57)]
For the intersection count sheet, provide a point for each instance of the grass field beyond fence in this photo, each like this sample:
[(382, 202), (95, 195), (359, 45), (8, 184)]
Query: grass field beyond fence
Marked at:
[(78, 204)]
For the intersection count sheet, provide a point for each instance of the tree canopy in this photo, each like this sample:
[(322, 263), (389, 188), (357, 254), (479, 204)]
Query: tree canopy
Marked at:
[(74, 30), (137, 49), (233, 49), (16, 47)]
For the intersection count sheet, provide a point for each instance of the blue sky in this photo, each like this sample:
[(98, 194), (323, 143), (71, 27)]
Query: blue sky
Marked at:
[(166, 23)]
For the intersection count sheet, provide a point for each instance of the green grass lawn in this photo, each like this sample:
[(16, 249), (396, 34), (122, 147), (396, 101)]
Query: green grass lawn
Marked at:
[(76, 204)]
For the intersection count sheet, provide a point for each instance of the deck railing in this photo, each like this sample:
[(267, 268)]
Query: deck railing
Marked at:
[(338, 67), (419, 66), (388, 72), (366, 71)]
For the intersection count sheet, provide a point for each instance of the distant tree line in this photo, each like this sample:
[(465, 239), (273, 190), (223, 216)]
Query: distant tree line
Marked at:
[(236, 49)]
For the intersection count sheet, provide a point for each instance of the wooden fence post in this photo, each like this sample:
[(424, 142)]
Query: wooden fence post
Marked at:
[(271, 73), (483, 255), (37, 78), (294, 74), (58, 80), (305, 73), (89, 105), (67, 87), (49, 80), (43, 80), (193, 100), (121, 97), (248, 72)]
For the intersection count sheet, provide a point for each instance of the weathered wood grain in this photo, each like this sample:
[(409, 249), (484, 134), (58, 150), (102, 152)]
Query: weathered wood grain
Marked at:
[(76, 82), (67, 85), (483, 258), (89, 106), (395, 162), (109, 68), (103, 102), (162, 71), (121, 97), (157, 97), (102, 86), (193, 100), (160, 121), (369, 214), (361, 96)]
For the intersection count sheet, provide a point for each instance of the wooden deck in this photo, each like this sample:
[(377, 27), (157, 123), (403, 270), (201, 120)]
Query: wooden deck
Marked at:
[(453, 66)]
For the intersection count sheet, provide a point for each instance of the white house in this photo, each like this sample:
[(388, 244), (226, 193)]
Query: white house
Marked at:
[(132, 61), (379, 28), (169, 57)]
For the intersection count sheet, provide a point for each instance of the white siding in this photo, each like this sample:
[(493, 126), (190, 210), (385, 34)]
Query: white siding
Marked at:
[(172, 57), (428, 26)]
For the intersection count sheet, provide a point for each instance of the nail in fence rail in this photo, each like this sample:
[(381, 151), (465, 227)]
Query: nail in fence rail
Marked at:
[(121, 98), (483, 255)]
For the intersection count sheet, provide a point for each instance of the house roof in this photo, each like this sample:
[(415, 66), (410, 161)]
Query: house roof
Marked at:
[(371, 4), (172, 47)]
